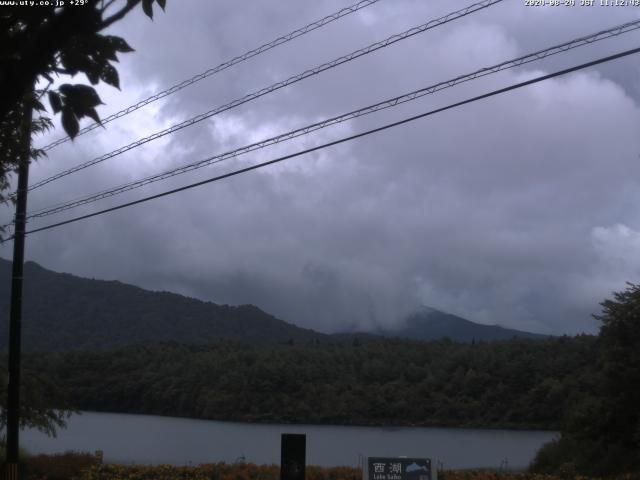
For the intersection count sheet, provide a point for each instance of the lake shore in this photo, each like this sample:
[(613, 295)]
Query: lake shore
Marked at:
[(146, 439), (274, 420)]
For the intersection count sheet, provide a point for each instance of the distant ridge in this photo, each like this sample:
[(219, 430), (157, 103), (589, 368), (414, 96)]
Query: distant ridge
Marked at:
[(432, 324), (63, 311)]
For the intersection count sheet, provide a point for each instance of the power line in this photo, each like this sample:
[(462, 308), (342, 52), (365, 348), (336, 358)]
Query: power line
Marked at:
[(344, 139), (276, 86), (223, 66), (389, 103)]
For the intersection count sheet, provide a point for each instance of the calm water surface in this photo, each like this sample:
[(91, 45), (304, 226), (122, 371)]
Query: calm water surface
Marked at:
[(146, 439)]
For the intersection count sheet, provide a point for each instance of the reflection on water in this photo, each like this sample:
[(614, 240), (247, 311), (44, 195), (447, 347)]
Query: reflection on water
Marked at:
[(146, 439)]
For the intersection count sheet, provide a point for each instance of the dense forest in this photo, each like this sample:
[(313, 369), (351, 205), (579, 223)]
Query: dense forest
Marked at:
[(515, 383)]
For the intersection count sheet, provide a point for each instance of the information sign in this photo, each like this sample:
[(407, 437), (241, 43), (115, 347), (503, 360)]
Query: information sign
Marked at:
[(398, 468)]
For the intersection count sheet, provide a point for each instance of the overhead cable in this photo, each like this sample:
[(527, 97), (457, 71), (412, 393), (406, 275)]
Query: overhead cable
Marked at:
[(389, 103), (276, 86), (223, 66), (341, 140)]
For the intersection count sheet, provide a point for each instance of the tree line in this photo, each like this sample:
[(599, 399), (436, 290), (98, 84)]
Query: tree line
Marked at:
[(510, 384)]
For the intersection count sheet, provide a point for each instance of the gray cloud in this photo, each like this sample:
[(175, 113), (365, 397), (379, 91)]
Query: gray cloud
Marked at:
[(518, 210)]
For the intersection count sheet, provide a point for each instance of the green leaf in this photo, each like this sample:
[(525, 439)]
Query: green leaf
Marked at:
[(70, 122), (103, 49), (147, 7), (110, 75), (107, 52), (37, 105), (55, 101), (119, 44), (94, 115), (82, 95), (66, 89), (79, 101), (93, 76), (75, 59), (162, 3)]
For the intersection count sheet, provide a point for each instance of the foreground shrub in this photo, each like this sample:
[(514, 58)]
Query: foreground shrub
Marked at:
[(215, 471), (496, 475), (64, 466), (249, 471), (568, 456)]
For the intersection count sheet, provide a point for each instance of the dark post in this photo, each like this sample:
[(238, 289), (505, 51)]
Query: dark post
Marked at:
[(15, 318), (293, 456)]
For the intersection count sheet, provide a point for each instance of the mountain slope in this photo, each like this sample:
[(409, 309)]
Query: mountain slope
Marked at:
[(62, 311), (432, 324)]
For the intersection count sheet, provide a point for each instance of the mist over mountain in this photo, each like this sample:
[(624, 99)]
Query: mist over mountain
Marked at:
[(432, 324), (63, 311)]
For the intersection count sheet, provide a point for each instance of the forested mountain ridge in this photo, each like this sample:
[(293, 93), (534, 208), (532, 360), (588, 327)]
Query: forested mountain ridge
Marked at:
[(62, 311)]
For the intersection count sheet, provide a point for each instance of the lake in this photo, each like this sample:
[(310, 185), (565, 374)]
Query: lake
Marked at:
[(147, 439)]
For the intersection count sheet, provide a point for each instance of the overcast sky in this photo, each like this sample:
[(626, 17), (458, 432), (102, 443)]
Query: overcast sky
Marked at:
[(519, 210)]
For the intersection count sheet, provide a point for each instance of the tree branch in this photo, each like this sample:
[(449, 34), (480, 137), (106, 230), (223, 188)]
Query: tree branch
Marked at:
[(131, 4), (45, 90), (105, 7)]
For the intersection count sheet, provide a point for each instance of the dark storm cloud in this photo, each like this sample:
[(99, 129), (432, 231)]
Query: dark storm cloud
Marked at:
[(517, 210)]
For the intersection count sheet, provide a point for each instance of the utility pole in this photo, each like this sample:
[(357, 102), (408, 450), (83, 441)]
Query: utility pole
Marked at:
[(15, 317)]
